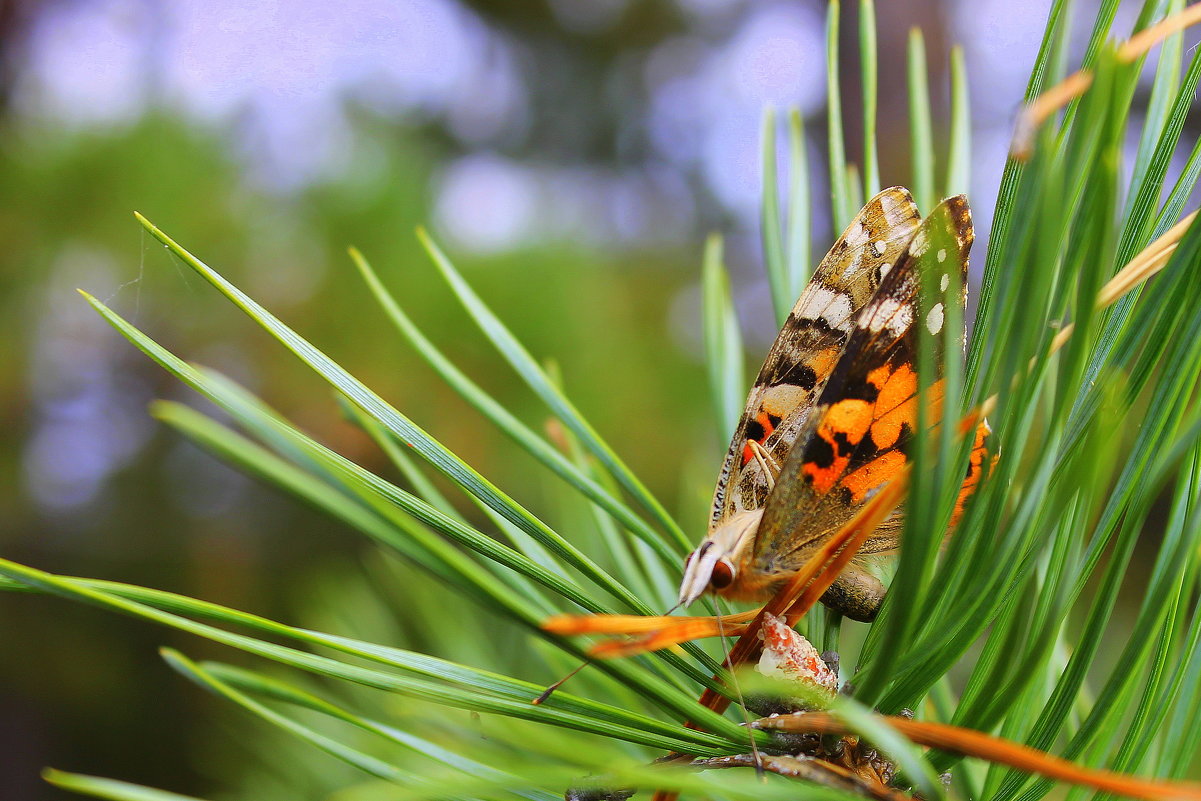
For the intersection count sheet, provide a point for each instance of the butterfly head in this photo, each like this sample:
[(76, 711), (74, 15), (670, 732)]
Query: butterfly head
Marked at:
[(714, 565)]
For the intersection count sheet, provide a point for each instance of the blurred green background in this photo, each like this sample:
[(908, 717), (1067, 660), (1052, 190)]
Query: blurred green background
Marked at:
[(570, 155)]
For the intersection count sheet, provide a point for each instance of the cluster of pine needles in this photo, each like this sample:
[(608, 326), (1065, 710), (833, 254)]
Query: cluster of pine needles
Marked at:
[(989, 673)]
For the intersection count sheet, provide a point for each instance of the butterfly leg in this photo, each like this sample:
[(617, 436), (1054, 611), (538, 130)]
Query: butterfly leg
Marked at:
[(767, 463)]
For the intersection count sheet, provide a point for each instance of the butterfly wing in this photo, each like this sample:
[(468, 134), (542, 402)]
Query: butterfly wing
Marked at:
[(808, 348), (853, 440)]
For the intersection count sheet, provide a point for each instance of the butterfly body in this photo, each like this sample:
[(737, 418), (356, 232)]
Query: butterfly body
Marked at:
[(827, 421)]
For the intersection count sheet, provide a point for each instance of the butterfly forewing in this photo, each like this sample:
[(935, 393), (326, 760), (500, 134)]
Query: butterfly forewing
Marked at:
[(853, 441), (808, 348)]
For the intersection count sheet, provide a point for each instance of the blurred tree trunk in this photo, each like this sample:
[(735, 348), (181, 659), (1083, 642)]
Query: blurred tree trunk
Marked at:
[(15, 19)]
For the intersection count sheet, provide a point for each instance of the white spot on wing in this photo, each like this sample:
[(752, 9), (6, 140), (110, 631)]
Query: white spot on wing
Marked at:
[(888, 205), (946, 279), (890, 313), (826, 304), (920, 244), (942, 255), (934, 319), (857, 235), (879, 246), (781, 399)]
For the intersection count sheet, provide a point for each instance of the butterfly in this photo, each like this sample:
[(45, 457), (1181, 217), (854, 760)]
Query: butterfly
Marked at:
[(826, 424)]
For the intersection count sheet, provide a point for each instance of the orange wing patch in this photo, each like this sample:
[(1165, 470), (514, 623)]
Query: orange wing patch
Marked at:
[(848, 421), (842, 429), (975, 467), (767, 424), (874, 474), (896, 405)]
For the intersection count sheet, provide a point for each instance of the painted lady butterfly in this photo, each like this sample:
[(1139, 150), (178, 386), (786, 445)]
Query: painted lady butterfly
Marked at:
[(827, 421)]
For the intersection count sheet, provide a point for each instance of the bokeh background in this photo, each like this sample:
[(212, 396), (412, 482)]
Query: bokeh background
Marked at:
[(570, 154)]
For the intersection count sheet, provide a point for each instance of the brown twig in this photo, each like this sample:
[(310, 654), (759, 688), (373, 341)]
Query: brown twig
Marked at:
[(971, 743), (818, 771)]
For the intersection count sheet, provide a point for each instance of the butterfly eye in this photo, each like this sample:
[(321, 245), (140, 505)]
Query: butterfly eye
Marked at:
[(722, 575)]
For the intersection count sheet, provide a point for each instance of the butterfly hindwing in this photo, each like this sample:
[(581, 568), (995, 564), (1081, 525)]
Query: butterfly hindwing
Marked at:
[(808, 347), (853, 441)]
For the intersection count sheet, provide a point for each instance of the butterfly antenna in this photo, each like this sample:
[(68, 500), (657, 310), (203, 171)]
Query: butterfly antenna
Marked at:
[(551, 689), (746, 715)]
